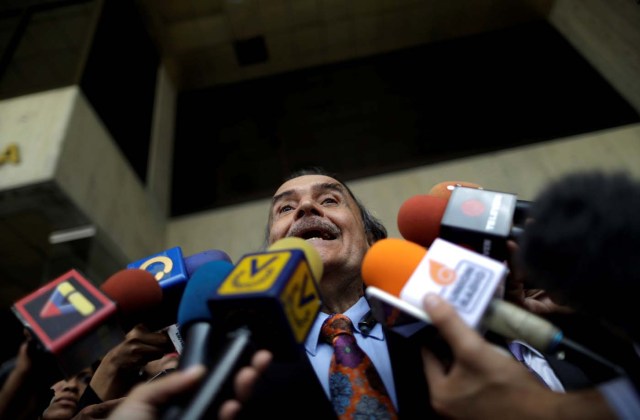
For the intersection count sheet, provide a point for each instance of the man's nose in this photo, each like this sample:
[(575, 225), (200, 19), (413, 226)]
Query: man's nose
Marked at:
[(71, 385), (309, 207)]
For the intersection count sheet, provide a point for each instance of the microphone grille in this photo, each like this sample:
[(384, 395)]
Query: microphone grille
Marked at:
[(419, 218), (134, 290), (390, 262)]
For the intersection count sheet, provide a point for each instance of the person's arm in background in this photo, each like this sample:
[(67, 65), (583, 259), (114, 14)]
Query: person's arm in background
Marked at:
[(98, 411), (145, 400), (536, 301), (120, 368), (26, 388), (17, 394), (482, 381)]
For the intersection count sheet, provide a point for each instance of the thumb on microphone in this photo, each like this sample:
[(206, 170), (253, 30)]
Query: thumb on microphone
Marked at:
[(146, 399)]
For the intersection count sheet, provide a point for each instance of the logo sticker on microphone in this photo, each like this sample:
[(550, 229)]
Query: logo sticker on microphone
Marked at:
[(255, 273), (466, 279), (440, 273), (167, 267), (301, 302), (472, 207), (66, 300), (472, 281)]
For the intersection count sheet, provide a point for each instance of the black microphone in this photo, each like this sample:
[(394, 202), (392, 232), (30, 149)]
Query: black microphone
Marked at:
[(477, 219), (445, 188), (522, 213)]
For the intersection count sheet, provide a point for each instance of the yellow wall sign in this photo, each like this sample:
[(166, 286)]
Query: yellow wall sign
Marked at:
[(11, 154), (255, 273)]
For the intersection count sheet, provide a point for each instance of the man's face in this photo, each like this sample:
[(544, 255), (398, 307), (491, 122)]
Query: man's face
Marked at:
[(319, 209), (66, 395)]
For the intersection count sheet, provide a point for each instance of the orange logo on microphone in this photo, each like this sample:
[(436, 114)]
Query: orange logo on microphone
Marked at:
[(441, 274)]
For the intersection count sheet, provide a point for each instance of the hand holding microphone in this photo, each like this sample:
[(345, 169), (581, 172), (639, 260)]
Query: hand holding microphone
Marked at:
[(486, 382), (401, 272), (119, 369), (135, 292), (420, 218), (404, 272)]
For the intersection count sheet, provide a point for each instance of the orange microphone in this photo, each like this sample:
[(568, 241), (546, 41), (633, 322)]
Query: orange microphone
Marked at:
[(419, 218), (399, 273)]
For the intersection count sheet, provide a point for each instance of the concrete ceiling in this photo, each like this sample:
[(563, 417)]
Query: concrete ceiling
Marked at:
[(205, 42)]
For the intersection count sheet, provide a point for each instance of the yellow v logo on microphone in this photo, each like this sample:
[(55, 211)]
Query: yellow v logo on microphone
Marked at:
[(255, 273), (65, 299), (280, 285)]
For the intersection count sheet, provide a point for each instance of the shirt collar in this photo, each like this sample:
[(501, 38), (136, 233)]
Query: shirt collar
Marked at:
[(355, 313), (529, 347)]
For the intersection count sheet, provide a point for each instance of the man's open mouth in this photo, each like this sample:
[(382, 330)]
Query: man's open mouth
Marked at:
[(315, 229), (316, 234)]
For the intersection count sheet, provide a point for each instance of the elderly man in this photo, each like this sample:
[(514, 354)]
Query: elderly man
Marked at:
[(322, 210)]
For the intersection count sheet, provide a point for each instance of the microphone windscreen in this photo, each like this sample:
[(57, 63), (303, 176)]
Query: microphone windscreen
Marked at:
[(204, 282), (134, 290), (444, 189), (195, 261), (419, 218), (389, 264), (311, 254)]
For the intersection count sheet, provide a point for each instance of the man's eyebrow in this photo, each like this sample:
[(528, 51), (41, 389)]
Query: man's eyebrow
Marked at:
[(280, 196), (332, 186)]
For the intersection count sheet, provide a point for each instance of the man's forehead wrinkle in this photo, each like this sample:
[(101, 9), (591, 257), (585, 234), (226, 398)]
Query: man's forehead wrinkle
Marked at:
[(335, 186), (316, 188)]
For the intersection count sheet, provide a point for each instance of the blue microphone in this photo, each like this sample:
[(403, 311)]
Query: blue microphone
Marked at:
[(194, 316)]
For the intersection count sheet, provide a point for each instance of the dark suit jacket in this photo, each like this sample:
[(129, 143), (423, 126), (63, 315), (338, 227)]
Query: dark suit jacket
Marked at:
[(291, 390), (573, 374)]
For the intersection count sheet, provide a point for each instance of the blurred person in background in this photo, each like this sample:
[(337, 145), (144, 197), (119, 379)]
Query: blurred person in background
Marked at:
[(66, 394)]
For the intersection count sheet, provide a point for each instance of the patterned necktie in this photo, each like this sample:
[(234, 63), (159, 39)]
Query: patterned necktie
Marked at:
[(355, 386)]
